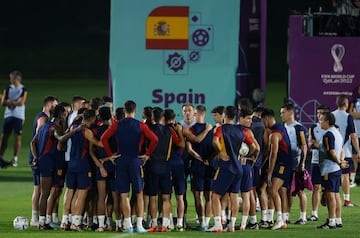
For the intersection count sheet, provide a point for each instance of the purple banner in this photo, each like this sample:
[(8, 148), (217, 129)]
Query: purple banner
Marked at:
[(320, 69), (252, 58)]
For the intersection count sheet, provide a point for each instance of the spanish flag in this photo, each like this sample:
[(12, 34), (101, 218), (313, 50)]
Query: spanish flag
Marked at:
[(167, 28)]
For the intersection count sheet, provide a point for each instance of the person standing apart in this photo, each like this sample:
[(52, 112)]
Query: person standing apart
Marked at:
[(14, 99)]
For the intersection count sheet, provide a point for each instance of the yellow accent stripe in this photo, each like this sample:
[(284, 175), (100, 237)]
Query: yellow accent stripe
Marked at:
[(216, 173), (169, 149), (302, 138), (351, 107), (326, 143), (177, 28), (222, 145)]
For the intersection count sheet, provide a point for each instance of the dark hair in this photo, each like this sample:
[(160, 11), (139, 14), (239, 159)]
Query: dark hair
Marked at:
[(230, 112), (259, 109), (157, 113), (340, 100), (130, 106), (104, 113), (218, 109), (329, 117), (169, 114), (78, 98), (107, 99), (81, 110), (147, 113), (88, 114), (323, 107), (95, 103), (58, 110), (268, 113), (244, 103), (48, 99), (288, 106), (201, 109), (244, 112), (64, 104), (119, 113)]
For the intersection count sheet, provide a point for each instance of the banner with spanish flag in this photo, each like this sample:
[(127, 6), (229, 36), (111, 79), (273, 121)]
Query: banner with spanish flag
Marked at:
[(167, 53)]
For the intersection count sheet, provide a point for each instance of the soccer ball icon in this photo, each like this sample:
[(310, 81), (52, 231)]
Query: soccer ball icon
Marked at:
[(20, 223), (244, 149)]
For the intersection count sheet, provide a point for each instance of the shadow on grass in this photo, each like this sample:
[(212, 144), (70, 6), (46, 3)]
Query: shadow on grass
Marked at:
[(16, 175)]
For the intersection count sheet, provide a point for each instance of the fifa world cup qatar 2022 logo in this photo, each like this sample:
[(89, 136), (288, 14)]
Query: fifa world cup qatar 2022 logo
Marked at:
[(337, 52)]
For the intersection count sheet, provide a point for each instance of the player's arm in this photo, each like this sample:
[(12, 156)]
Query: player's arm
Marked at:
[(177, 136), (5, 101), (303, 144), (40, 122), (266, 147), (353, 136), (97, 162), (196, 139), (192, 152), (254, 147), (110, 131), (61, 138), (352, 111), (22, 100), (274, 140), (33, 149), (153, 139), (89, 135)]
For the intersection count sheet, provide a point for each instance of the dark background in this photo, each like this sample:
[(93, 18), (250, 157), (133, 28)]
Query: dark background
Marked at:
[(70, 38)]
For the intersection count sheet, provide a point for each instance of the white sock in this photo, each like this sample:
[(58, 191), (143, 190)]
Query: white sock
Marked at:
[(139, 222), (179, 222), (347, 197), (70, 218), (203, 221), (314, 213), (166, 222), (65, 219), (264, 214), (270, 215), (338, 221), (117, 223), (76, 220), (55, 218), (332, 222), (253, 219), (34, 216), (48, 219), (279, 216), (207, 221), (15, 158), (286, 216), (101, 219), (127, 223), (42, 220), (154, 222), (109, 221), (232, 222), (217, 221), (95, 220), (303, 216), (243, 221), (352, 177)]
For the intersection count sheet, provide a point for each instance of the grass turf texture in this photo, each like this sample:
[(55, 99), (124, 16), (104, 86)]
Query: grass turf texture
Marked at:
[(16, 183)]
